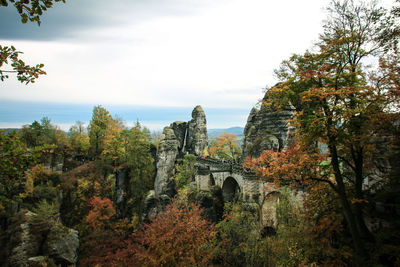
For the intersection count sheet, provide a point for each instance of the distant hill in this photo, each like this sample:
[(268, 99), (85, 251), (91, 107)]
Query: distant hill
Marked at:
[(8, 130), (213, 133)]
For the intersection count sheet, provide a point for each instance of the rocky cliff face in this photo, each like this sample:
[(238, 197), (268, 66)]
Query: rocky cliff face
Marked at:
[(267, 129), (177, 139), (60, 244), (197, 138)]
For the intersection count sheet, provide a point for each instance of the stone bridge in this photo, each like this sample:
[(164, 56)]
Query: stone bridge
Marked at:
[(238, 183)]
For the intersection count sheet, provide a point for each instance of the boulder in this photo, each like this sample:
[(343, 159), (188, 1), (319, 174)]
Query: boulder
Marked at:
[(27, 248), (62, 245)]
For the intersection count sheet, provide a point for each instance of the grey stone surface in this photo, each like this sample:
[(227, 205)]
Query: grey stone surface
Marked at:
[(63, 248), (177, 139), (168, 151), (180, 129), (26, 247), (38, 261), (267, 128), (197, 138), (60, 244)]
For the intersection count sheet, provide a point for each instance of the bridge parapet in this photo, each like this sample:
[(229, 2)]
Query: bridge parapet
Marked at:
[(208, 165)]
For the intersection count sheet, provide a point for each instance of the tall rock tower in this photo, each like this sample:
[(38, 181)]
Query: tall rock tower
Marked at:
[(176, 140), (197, 138)]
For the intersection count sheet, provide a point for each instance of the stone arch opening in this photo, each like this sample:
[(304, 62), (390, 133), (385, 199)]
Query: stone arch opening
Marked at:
[(211, 182), (268, 209), (230, 190)]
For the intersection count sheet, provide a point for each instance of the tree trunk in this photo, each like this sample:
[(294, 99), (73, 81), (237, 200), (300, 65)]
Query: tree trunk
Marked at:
[(347, 210), (358, 206)]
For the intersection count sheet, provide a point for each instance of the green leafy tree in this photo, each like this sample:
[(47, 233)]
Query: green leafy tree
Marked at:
[(97, 129), (185, 171), (79, 139), (241, 243), (140, 164)]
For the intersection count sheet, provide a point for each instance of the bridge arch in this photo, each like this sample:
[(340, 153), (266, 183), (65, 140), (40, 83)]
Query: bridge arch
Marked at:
[(230, 189), (211, 181)]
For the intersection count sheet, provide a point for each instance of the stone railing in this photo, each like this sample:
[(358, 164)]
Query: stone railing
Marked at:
[(225, 165)]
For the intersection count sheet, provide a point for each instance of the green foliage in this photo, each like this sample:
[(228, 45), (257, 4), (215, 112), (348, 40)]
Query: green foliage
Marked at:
[(15, 160), (25, 73), (45, 218), (185, 171), (241, 243), (31, 9), (97, 129)]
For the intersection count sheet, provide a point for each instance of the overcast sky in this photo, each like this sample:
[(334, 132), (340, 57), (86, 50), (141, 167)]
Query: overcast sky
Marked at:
[(159, 53)]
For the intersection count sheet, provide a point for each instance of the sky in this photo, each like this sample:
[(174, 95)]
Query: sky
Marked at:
[(154, 59)]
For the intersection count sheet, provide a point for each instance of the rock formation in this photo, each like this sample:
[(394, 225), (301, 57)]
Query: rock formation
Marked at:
[(168, 151), (177, 139), (267, 128), (197, 138), (60, 245)]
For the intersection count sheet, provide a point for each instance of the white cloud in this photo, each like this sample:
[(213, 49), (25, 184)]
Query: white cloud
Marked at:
[(174, 60)]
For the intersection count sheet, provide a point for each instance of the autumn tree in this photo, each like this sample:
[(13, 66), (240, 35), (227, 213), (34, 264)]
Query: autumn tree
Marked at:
[(337, 105), (98, 128), (29, 10), (225, 147), (101, 237), (179, 236)]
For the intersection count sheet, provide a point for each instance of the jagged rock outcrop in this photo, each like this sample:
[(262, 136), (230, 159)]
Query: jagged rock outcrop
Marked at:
[(168, 151), (197, 138), (62, 247), (180, 131), (177, 139), (267, 128), (59, 245)]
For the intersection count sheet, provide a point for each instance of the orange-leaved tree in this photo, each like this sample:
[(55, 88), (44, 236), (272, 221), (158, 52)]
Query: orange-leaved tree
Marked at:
[(225, 147), (102, 235), (179, 236), (339, 106)]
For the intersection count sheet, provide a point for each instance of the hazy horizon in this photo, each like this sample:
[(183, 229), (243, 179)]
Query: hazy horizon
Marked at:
[(14, 114)]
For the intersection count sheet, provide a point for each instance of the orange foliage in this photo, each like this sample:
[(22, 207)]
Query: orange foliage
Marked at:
[(177, 237), (101, 212), (291, 166)]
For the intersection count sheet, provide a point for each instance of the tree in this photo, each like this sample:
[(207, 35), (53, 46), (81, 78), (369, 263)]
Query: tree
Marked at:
[(32, 10), (140, 163), (180, 236), (225, 147), (240, 237), (25, 73), (97, 129), (79, 139), (337, 105), (185, 171), (114, 150)]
